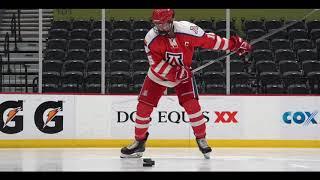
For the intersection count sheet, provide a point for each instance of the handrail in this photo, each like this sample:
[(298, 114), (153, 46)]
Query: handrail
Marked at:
[(21, 70), (25, 76), (6, 48), (6, 45), (19, 25), (1, 73), (35, 82), (13, 28)]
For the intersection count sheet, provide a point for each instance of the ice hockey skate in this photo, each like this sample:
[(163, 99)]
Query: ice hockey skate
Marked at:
[(204, 147), (134, 150)]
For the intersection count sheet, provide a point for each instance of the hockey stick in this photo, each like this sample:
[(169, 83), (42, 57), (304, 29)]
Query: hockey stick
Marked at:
[(254, 41)]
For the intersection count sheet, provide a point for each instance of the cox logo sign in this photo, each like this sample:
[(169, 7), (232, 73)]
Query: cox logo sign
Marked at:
[(300, 117)]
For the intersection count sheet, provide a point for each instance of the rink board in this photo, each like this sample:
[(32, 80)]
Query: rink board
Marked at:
[(108, 121)]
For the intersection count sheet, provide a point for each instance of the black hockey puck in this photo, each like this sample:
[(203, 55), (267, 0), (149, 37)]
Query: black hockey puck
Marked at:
[(148, 164), (149, 161)]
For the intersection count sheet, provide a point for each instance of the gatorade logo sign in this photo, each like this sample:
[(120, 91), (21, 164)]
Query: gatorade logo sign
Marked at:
[(48, 118), (11, 118)]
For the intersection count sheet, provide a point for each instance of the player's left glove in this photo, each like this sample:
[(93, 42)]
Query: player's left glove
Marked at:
[(241, 46)]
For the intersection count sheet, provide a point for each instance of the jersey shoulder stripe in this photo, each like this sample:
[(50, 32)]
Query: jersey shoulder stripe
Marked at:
[(185, 27), (150, 36)]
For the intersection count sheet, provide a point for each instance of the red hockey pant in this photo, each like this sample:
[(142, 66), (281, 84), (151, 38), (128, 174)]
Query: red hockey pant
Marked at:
[(149, 97)]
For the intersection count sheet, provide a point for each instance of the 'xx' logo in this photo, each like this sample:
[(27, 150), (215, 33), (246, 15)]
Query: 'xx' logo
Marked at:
[(230, 117)]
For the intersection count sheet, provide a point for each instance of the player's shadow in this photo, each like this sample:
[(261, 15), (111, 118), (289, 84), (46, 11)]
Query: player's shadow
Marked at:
[(131, 164), (205, 165)]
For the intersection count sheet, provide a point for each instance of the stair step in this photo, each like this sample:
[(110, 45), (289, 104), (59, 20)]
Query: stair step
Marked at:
[(10, 82), (22, 55), (26, 34), (28, 11), (19, 84), (22, 47), (26, 40), (23, 24), (16, 90), (24, 28), (27, 15), (20, 50), (22, 16), (19, 79), (32, 68), (20, 44), (17, 69), (29, 20), (24, 59)]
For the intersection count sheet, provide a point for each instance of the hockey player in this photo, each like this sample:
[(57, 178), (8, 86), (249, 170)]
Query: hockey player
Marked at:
[(169, 46)]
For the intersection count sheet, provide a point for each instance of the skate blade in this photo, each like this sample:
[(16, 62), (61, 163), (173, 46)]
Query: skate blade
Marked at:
[(134, 155), (206, 155)]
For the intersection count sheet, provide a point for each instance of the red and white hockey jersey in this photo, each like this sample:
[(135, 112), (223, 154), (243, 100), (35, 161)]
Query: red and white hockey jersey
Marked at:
[(166, 54)]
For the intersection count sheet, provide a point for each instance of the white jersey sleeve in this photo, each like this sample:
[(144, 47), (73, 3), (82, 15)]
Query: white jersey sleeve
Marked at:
[(188, 28)]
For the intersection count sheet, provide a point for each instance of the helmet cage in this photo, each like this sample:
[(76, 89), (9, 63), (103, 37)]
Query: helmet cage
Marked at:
[(163, 28)]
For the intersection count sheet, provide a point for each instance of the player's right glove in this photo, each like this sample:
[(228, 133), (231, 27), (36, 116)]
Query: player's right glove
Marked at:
[(241, 46)]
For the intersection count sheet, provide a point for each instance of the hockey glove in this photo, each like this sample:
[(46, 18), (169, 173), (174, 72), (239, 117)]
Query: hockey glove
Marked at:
[(241, 46)]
